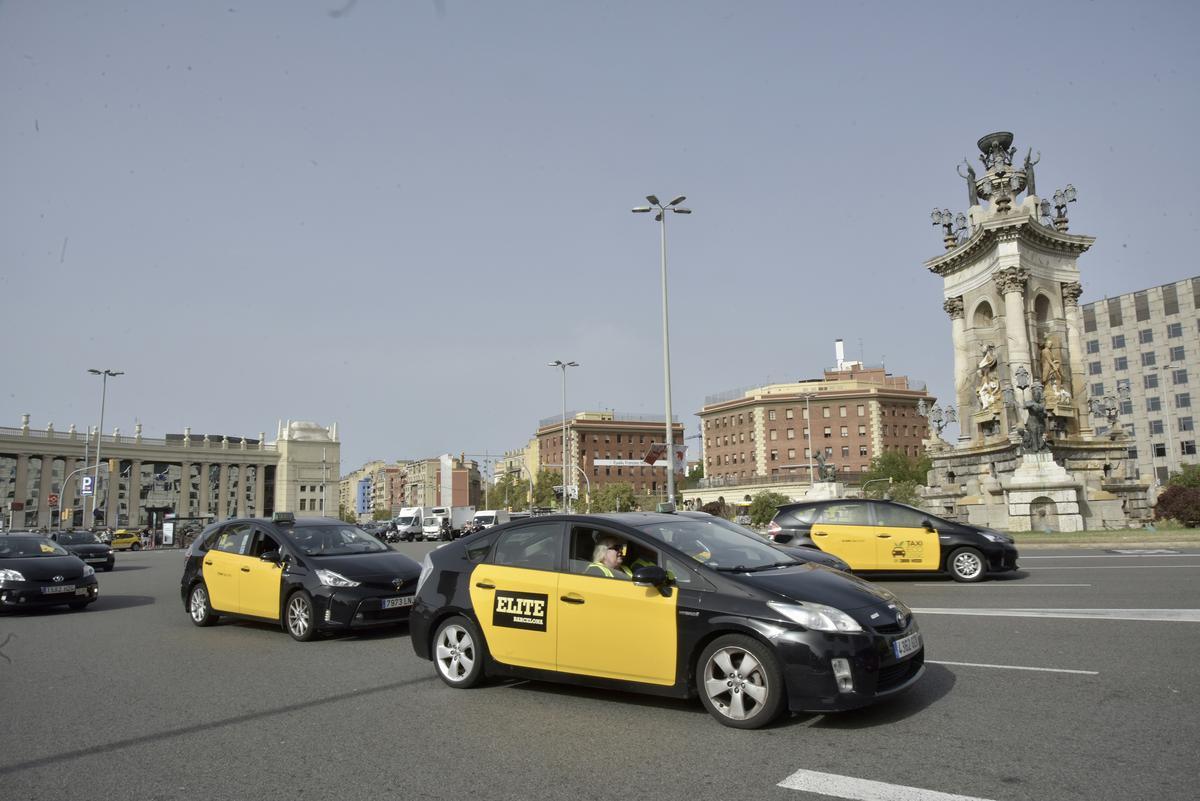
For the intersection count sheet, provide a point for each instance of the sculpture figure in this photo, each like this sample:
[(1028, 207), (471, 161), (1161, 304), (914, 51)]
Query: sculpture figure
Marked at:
[(987, 387), (825, 472), (1051, 363), (1034, 439), (972, 190), (1029, 188)]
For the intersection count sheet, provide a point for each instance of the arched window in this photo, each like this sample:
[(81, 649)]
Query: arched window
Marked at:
[(983, 315)]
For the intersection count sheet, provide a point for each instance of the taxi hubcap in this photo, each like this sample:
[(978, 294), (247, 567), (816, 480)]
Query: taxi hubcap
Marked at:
[(198, 599), (455, 653), (967, 565), (735, 683), (298, 616)]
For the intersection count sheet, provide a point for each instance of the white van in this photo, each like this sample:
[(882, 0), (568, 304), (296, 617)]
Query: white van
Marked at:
[(490, 517), (408, 523)]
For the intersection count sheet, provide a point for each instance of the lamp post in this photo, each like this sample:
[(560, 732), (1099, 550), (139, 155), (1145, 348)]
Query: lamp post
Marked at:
[(563, 366), (661, 217), (808, 434), (104, 376)]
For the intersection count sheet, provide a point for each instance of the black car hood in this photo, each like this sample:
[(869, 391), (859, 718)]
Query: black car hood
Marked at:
[(816, 555), (821, 585), (45, 568), (363, 566), (90, 549)]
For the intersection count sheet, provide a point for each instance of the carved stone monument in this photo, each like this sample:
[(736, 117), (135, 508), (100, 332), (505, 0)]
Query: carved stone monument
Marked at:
[(1027, 456)]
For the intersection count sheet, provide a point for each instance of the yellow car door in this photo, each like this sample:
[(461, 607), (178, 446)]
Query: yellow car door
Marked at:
[(512, 594), (902, 540), (221, 569), (259, 582), (844, 529)]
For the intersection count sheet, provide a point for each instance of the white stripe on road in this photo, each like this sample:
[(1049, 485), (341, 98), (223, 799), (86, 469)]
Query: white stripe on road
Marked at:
[(1112, 567), (830, 784), (1155, 615), (1015, 667), (1164, 555), (1008, 583)]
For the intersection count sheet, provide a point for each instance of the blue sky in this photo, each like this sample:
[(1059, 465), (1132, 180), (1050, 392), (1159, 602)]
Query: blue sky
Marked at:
[(393, 217)]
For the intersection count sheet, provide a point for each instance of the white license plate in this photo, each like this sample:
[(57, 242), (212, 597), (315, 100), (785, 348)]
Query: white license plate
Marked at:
[(908, 645), (97, 559), (59, 589), (403, 600)]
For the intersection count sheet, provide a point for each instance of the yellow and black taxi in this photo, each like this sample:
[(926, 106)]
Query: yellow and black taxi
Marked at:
[(37, 572), (87, 547), (126, 539), (310, 575), (890, 537), (662, 604)]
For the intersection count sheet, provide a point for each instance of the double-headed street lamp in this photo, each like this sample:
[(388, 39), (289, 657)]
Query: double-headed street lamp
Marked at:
[(563, 366), (661, 217), (104, 376)]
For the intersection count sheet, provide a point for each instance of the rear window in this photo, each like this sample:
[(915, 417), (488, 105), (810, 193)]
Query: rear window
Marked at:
[(802, 516)]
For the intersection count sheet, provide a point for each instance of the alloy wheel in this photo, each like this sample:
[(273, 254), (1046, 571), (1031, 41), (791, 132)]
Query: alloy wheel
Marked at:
[(199, 604), (298, 615), (735, 683), (455, 653)]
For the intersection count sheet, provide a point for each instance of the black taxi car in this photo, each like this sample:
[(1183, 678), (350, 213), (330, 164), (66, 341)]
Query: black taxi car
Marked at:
[(36, 572), (702, 611), (87, 547), (309, 575), (891, 537)]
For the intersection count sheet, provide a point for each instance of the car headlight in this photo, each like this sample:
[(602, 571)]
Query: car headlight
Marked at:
[(817, 617), (11, 575), (331, 579), (88, 570), (992, 536)]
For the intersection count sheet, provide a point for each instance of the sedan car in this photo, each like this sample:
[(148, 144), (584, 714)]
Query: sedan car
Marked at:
[(38, 572), (310, 575), (890, 537), (798, 551), (88, 547), (707, 611)]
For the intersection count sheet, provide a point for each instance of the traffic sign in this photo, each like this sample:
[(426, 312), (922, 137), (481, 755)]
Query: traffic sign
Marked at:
[(86, 485), (52, 499)]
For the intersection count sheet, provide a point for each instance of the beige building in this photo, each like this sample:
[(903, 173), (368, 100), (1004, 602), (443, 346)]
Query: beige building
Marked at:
[(443, 481), (143, 479)]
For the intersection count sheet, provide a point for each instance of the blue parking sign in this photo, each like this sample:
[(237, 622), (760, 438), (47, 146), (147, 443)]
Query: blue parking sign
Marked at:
[(85, 485)]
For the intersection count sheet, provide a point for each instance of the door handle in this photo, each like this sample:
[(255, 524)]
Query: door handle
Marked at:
[(208, 563), (483, 585), (571, 599), (820, 533), (884, 536), (245, 570)]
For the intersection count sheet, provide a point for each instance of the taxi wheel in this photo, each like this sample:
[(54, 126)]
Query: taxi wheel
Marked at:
[(458, 652), (135, 547), (298, 617), (966, 564), (740, 682), (199, 608)]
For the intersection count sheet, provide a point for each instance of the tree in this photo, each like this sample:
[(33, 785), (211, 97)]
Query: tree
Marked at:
[(1179, 503), (906, 472), (511, 492), (345, 515), (763, 506), (618, 497), (543, 488), (1188, 476)]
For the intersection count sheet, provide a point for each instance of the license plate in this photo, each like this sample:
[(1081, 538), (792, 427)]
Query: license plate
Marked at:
[(81, 591), (403, 600), (906, 646), (59, 589), (97, 559)]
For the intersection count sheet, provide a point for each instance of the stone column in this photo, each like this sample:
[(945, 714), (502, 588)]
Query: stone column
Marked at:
[(183, 506), (241, 490), (964, 369), (1011, 282), (21, 490), (259, 485), (223, 492), (1079, 388), (134, 495), (114, 484), (70, 490), (45, 490), (205, 498)]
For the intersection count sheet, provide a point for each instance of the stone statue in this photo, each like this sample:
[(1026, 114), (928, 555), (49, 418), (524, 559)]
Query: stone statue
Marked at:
[(972, 191), (1029, 187), (1057, 385), (1034, 439), (987, 388), (825, 472)]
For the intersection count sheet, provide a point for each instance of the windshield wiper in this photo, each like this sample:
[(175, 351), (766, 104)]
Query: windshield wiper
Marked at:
[(756, 568)]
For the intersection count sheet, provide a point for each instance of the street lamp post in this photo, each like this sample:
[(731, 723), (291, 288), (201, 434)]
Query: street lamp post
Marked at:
[(104, 376), (808, 435), (563, 366), (661, 217)]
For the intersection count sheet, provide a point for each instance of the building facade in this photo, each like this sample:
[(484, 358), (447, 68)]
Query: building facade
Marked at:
[(608, 447), (1141, 351), (141, 480), (846, 418), (442, 481)]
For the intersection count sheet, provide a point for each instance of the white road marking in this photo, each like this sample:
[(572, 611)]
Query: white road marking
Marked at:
[(1141, 555), (1015, 667), (995, 584), (1154, 615), (831, 784), (1112, 567)]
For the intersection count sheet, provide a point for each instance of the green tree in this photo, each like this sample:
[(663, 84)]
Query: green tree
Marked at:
[(763, 506), (906, 472), (543, 488), (1188, 476), (618, 497), (345, 515), (511, 492), (1179, 503)]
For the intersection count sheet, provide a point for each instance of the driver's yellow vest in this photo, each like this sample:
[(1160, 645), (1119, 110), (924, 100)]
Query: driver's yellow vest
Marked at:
[(607, 571)]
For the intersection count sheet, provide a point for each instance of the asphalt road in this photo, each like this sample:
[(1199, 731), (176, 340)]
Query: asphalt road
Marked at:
[(1065, 681)]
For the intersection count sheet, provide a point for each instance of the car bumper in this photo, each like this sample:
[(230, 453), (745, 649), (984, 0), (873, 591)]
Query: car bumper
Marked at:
[(31, 595), (1002, 560), (100, 562), (342, 608), (875, 672)]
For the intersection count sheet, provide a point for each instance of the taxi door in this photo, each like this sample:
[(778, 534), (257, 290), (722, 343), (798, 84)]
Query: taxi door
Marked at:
[(612, 628), (845, 530), (513, 594), (221, 568), (260, 581), (902, 540)]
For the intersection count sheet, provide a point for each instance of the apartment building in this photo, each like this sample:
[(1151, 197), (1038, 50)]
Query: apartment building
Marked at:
[(608, 447)]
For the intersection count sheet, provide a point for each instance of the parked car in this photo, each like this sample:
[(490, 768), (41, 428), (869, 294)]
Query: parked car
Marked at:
[(87, 547), (891, 537), (36, 571), (127, 539)]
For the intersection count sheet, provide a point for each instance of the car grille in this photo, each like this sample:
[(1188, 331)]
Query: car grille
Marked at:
[(895, 675), (889, 628)]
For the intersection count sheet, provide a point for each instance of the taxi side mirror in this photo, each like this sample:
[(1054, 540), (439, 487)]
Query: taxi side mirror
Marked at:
[(650, 576), (271, 556), (925, 524)]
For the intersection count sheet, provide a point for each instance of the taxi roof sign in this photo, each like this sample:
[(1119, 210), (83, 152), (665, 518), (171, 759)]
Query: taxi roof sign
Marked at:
[(284, 517)]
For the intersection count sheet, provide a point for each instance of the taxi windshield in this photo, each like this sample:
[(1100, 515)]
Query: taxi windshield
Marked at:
[(82, 538), (716, 546), (334, 540), (26, 547)]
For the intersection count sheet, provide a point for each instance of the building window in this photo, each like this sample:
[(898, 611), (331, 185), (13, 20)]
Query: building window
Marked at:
[(1148, 359), (1126, 407), (1121, 363), (1177, 354), (1160, 449), (1145, 336), (1141, 305), (1186, 424), (862, 430), (846, 451), (770, 414), (841, 411), (804, 412), (862, 450), (1089, 318), (1118, 342), (1174, 330), (774, 435), (1097, 389), (828, 432), (1114, 313), (1148, 381), (845, 431), (303, 507), (1188, 447), (1179, 376), (806, 432), (862, 410), (829, 451), (1153, 404), (774, 456), (1183, 400), (1170, 300), (1093, 368), (789, 414), (791, 453), (791, 433), (1156, 426), (824, 411), (1093, 346)]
